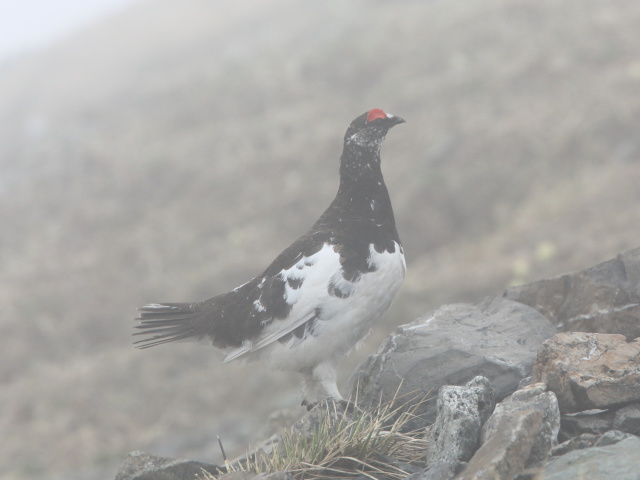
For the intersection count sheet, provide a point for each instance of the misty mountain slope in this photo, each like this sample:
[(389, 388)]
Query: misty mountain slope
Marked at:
[(210, 112), (150, 157)]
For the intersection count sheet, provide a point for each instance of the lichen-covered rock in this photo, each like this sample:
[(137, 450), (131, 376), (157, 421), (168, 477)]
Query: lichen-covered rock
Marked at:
[(532, 398), (506, 452), (590, 370), (497, 339), (455, 436), (602, 299)]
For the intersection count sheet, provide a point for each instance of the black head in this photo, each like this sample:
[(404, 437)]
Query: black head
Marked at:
[(369, 129)]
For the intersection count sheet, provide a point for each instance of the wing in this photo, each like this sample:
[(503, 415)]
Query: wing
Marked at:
[(292, 297)]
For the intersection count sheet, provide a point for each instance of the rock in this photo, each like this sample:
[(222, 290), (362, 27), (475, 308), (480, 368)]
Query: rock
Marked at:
[(627, 419), (526, 381), (486, 397), (526, 402), (497, 339), (595, 422), (506, 452), (519, 433), (612, 437), (143, 466), (590, 370), (455, 436), (601, 299), (585, 440), (618, 461)]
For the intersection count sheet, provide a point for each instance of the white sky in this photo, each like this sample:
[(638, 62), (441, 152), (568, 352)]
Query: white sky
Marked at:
[(29, 24)]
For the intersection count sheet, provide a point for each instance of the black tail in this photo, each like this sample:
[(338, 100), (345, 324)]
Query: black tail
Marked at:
[(170, 322)]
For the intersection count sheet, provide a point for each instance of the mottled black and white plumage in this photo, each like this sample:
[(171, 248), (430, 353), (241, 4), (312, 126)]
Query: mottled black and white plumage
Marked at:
[(321, 295)]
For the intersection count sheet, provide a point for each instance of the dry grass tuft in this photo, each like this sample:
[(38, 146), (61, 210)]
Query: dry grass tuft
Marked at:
[(345, 444)]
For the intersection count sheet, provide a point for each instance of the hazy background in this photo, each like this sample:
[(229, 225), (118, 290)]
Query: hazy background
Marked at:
[(167, 151), (30, 25)]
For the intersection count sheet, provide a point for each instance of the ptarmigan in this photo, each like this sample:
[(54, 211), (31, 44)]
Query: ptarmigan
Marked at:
[(322, 294)]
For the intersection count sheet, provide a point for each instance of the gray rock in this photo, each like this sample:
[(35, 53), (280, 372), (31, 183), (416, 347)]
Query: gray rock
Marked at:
[(618, 461), (455, 436), (506, 452), (601, 299), (585, 440), (497, 339), (529, 401), (627, 419), (595, 422), (612, 437), (525, 382), (143, 466), (590, 370), (486, 397)]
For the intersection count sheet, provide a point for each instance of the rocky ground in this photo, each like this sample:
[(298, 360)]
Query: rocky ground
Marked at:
[(541, 383)]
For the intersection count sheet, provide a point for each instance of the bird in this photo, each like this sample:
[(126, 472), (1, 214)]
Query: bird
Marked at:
[(321, 296)]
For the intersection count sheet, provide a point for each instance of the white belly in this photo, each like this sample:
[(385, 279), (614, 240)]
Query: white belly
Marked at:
[(343, 321)]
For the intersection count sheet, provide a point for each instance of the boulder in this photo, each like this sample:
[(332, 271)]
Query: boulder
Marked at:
[(520, 433), (497, 339), (601, 299), (455, 436), (612, 437), (585, 440), (505, 453), (590, 370), (600, 462), (594, 422), (523, 403)]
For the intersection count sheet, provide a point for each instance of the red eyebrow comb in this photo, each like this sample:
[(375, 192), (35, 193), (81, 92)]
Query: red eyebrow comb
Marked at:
[(375, 114)]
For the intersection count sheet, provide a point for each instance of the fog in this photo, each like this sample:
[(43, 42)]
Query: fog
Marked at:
[(32, 25), (168, 151)]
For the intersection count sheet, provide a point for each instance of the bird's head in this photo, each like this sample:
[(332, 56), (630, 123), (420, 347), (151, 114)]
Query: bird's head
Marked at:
[(369, 129)]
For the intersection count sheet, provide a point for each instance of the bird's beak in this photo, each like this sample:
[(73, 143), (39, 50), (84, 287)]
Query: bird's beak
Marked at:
[(394, 120)]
